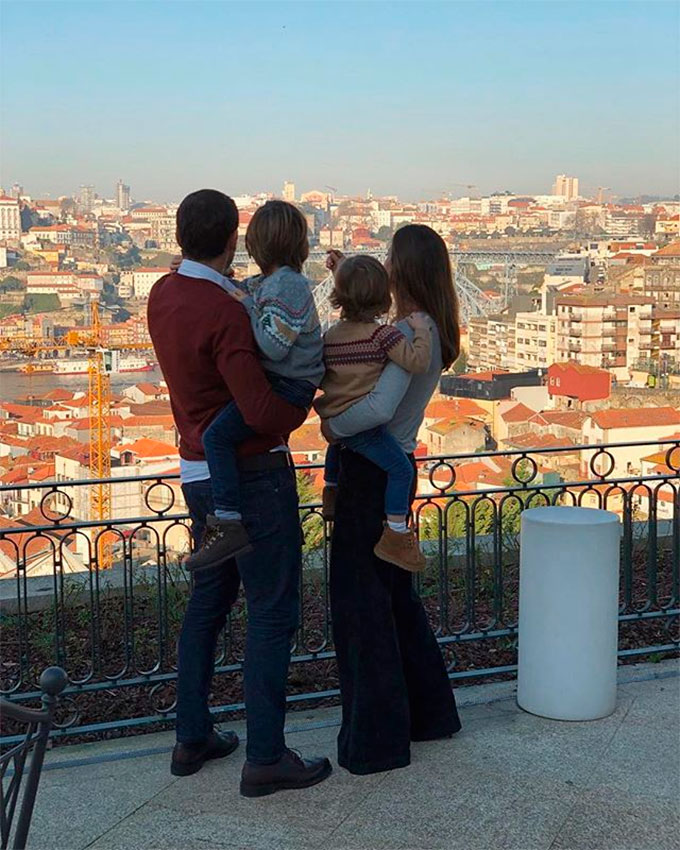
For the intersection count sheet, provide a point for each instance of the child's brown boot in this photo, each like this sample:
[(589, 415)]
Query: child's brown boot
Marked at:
[(328, 503), (401, 549)]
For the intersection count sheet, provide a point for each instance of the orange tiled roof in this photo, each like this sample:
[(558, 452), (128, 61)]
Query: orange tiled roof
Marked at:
[(519, 413), (636, 417), (450, 407), (670, 250)]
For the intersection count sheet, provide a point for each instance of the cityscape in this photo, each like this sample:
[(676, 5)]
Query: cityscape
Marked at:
[(570, 304)]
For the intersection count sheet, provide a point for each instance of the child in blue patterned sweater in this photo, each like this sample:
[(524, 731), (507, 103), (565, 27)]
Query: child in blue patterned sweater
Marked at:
[(286, 327)]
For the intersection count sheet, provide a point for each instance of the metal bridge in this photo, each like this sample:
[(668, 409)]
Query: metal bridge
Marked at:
[(473, 301)]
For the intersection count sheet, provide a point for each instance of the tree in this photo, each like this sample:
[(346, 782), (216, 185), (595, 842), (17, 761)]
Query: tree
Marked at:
[(460, 366), (384, 233), (11, 284), (312, 523)]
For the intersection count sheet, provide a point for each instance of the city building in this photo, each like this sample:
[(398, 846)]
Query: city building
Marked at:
[(64, 234), (565, 187), (289, 192), (604, 330), (164, 232), (491, 385), (122, 196), (491, 343), (662, 277), (86, 199), (572, 384), (10, 219), (143, 279), (67, 286), (626, 425), (535, 340)]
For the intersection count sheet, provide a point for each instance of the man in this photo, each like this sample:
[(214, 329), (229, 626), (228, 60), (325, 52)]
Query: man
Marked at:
[(206, 350)]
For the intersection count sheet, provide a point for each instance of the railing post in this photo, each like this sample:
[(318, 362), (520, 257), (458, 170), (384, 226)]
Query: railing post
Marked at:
[(568, 612), (52, 682)]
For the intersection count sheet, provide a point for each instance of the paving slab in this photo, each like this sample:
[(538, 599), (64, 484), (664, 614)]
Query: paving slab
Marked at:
[(507, 781)]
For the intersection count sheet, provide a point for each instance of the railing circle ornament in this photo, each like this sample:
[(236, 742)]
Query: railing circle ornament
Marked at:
[(450, 483), (163, 697), (49, 513), (524, 469), (604, 473), (157, 485)]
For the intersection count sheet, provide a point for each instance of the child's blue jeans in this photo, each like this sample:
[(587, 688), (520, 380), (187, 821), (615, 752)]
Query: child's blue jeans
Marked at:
[(380, 447), (228, 429)]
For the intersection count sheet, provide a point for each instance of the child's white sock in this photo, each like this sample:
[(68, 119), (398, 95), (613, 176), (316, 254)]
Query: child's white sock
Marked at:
[(227, 515), (400, 527)]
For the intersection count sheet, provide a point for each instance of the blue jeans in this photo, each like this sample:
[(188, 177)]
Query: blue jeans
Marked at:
[(228, 429), (271, 577), (380, 447)]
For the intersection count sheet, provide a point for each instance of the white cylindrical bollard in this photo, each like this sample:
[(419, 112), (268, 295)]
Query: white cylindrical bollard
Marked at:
[(568, 612)]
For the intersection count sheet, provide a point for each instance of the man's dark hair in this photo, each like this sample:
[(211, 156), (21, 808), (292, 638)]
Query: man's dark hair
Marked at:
[(205, 221)]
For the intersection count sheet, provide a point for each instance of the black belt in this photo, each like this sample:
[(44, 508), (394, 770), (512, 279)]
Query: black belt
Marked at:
[(270, 460)]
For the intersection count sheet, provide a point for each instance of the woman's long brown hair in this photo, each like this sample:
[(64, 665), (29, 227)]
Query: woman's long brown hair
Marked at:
[(420, 277)]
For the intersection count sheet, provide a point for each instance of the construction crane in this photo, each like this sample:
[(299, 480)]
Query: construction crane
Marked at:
[(99, 408)]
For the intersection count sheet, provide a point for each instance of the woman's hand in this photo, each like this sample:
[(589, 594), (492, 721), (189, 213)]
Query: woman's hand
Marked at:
[(175, 262), (333, 260)]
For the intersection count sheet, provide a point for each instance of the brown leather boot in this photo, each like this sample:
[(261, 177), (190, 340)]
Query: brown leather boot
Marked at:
[(290, 772), (400, 549), (224, 539), (328, 503)]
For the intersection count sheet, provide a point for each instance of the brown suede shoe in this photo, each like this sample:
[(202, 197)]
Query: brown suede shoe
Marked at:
[(400, 549), (190, 758), (290, 772), (224, 539), (328, 503)]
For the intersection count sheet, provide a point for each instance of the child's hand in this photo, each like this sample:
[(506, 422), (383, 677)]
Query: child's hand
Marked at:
[(418, 321), (333, 260), (175, 262)]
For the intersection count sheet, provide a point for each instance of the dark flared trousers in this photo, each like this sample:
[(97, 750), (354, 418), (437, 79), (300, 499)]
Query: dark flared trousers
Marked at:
[(393, 680)]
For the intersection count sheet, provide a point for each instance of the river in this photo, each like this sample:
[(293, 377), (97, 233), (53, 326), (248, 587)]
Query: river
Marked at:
[(19, 385)]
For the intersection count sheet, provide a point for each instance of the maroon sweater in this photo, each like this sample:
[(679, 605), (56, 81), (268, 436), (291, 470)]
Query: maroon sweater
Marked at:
[(207, 353)]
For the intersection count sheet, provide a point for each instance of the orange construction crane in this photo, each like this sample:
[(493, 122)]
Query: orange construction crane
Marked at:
[(99, 411)]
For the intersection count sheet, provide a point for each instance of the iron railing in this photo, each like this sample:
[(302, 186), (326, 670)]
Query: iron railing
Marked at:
[(114, 631)]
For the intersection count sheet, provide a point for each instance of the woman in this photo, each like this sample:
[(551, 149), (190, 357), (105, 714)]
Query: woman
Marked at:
[(393, 680)]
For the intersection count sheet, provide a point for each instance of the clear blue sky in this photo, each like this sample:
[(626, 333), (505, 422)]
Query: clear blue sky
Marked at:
[(402, 97)]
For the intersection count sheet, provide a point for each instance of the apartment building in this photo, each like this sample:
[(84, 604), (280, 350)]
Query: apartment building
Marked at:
[(662, 278), (163, 232), (492, 343), (535, 340), (10, 219), (605, 330), (144, 278)]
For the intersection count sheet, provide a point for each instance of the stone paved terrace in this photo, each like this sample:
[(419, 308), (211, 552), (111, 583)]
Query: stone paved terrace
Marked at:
[(508, 781)]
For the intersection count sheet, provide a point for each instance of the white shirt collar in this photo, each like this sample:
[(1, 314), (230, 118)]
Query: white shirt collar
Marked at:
[(191, 268)]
